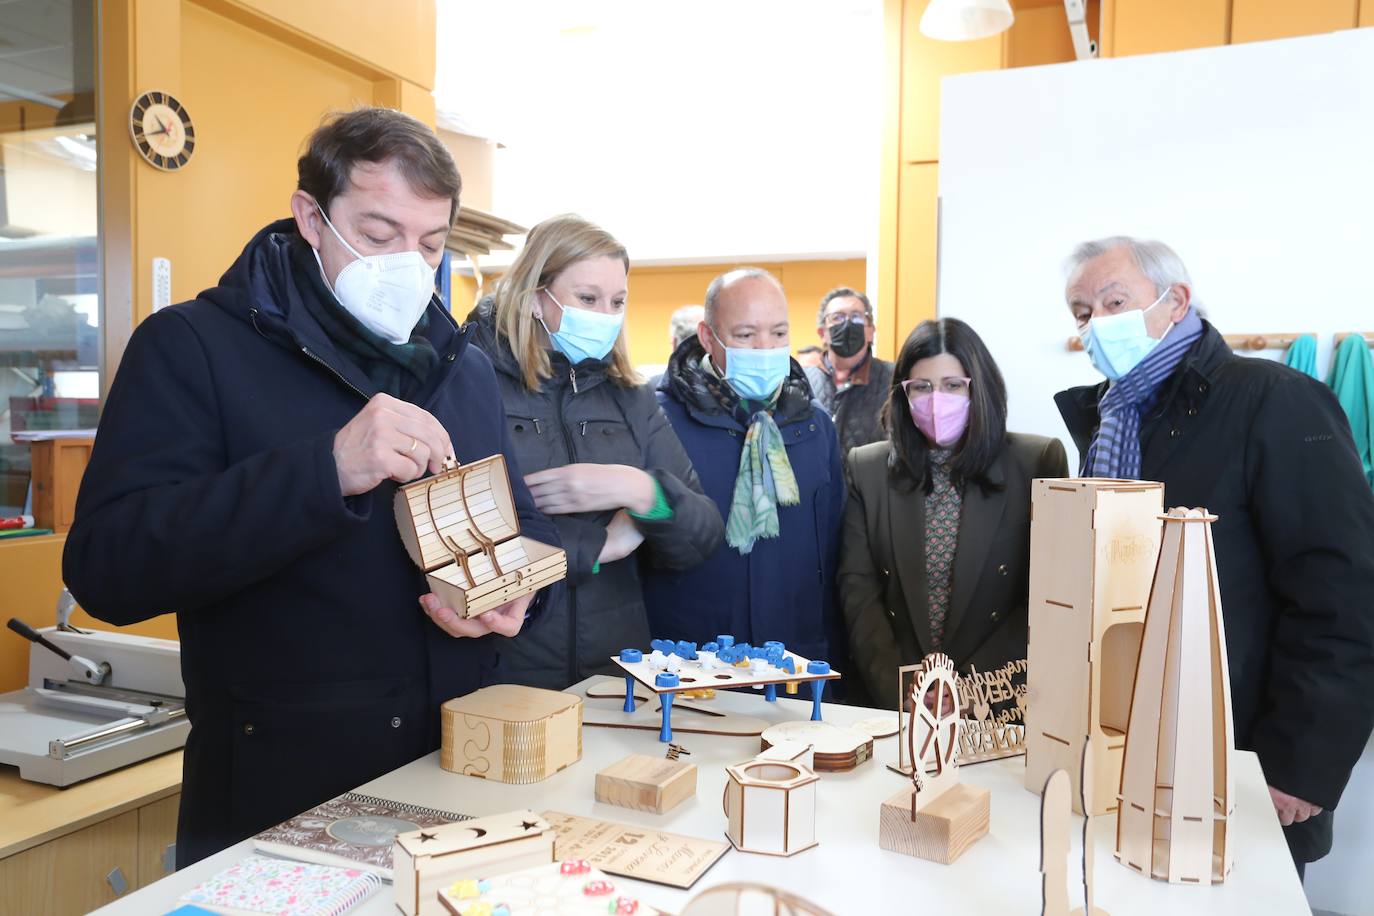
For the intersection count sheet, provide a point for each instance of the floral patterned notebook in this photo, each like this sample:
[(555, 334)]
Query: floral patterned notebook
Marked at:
[(260, 884), (355, 831)]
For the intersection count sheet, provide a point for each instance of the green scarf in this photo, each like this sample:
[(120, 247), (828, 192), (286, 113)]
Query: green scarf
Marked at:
[(765, 479)]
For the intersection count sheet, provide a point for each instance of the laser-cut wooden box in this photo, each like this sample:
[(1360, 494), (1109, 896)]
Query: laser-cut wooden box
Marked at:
[(510, 733), (460, 527)]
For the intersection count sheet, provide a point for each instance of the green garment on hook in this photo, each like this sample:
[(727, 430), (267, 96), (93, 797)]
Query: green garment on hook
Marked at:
[(1302, 355), (1352, 378)]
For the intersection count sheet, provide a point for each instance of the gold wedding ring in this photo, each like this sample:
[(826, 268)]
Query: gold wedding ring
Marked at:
[(413, 443)]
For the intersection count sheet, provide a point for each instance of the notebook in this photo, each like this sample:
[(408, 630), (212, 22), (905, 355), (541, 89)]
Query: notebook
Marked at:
[(262, 885), (353, 831)]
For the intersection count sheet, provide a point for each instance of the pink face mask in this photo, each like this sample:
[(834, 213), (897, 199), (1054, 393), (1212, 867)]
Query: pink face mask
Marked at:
[(942, 417)]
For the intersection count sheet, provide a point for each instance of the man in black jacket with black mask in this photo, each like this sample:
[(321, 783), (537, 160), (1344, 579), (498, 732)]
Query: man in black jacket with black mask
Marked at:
[(1269, 452), (243, 477)]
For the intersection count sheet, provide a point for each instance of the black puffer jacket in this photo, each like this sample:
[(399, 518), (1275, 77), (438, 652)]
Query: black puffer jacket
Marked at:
[(580, 415)]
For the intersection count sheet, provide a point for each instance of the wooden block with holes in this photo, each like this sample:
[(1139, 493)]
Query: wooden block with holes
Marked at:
[(939, 832), (460, 527), (647, 783), (511, 733), (1094, 544)]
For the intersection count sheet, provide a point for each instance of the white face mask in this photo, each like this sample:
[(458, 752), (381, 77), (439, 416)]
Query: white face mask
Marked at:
[(387, 293)]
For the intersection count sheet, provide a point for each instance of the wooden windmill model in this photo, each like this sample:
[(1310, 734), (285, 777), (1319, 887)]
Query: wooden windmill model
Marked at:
[(1177, 801), (938, 817)]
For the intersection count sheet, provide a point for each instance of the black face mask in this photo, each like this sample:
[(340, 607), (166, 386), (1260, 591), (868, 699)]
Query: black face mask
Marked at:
[(848, 339)]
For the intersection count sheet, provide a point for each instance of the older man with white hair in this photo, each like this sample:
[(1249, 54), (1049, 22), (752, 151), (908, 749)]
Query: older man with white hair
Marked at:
[(1269, 451)]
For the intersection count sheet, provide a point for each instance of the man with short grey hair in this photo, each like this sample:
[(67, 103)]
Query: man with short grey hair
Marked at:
[(1269, 452), (683, 323), (850, 382)]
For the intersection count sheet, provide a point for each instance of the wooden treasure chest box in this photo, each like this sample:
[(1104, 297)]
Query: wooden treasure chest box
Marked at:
[(460, 527), (511, 733)]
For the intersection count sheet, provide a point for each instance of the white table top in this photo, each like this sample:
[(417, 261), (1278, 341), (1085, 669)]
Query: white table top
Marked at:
[(848, 872)]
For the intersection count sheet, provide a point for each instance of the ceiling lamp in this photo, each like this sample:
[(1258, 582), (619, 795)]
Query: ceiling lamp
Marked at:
[(965, 20)]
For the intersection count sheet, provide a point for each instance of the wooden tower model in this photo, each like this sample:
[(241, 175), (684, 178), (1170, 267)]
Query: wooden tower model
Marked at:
[(1176, 793), (1094, 543)]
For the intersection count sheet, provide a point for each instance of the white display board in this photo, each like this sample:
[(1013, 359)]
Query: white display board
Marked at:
[(1255, 162)]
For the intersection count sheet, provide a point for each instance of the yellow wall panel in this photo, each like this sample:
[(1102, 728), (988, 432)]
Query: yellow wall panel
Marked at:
[(656, 292), (1040, 35), (1366, 13), (395, 37), (917, 239), (1259, 20), (245, 163), (31, 570), (1151, 26), (924, 62)]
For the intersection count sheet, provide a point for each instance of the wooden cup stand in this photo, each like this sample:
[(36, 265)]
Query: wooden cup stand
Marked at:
[(461, 528), (938, 817)]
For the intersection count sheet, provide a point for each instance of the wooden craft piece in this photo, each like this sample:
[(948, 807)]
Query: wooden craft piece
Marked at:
[(635, 851), (937, 817), (985, 733), (510, 733), (688, 717), (461, 528), (613, 688), (423, 861), (646, 783), (1086, 783), (770, 807), (693, 675), (835, 748), (792, 752), (1055, 805), (1094, 543), (876, 727), (672, 668), (1177, 798), (568, 888)]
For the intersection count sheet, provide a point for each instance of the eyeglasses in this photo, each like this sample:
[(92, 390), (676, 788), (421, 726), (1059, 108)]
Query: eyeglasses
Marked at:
[(839, 319), (953, 384)]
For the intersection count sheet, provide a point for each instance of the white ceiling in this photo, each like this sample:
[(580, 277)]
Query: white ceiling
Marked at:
[(717, 129), (35, 48)]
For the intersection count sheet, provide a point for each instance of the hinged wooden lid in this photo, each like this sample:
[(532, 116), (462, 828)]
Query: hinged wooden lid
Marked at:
[(473, 834), (466, 509), (512, 703)]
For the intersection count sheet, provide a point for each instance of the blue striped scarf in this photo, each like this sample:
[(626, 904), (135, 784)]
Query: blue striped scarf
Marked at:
[(1115, 450)]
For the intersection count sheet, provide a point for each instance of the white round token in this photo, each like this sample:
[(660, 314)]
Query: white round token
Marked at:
[(877, 726)]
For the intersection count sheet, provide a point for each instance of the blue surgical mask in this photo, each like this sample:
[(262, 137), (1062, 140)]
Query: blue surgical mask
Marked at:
[(755, 374), (584, 334), (1117, 343)]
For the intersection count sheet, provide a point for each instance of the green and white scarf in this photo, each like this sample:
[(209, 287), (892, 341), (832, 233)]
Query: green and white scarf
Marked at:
[(765, 479)]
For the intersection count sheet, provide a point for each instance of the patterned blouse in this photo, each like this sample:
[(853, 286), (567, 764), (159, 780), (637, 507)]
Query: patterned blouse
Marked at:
[(943, 506)]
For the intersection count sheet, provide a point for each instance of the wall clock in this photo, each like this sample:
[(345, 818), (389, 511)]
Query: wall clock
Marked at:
[(162, 131)]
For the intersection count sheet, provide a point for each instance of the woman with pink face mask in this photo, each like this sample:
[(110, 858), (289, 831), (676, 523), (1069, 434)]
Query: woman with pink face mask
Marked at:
[(935, 552)]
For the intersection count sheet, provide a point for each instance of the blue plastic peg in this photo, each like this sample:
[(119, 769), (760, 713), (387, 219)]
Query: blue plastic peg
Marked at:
[(629, 657), (817, 687), (666, 679)]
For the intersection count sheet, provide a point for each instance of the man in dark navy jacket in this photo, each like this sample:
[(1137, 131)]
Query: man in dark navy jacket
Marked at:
[(243, 477), (768, 455)]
